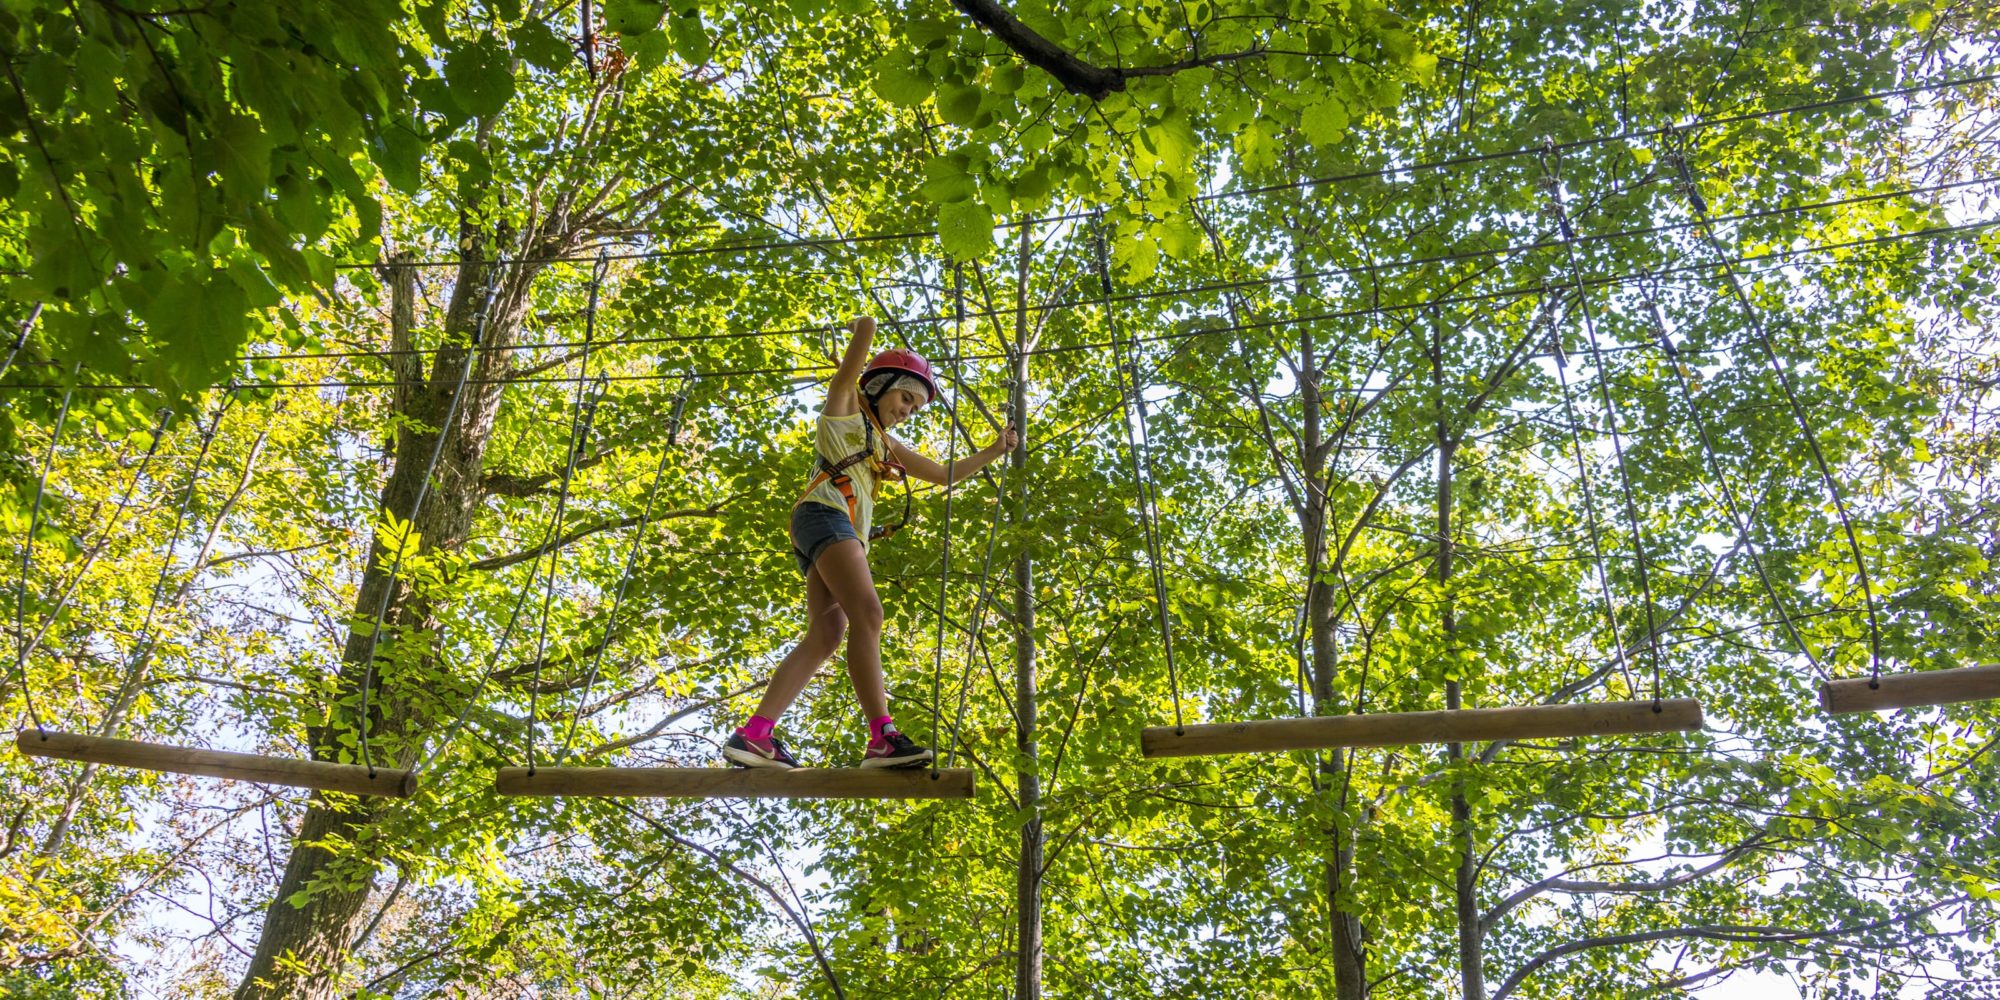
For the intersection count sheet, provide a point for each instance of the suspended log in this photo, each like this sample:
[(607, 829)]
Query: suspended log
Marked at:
[(1928, 687), (354, 779), (738, 782), (1471, 725)]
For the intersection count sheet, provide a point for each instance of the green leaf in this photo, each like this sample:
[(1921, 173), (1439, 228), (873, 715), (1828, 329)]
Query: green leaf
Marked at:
[(1256, 148), (690, 38), (1008, 78), (399, 152), (240, 152), (965, 229), (257, 288), (649, 50), (898, 82), (481, 76), (958, 104), (542, 48), (1325, 122), (1424, 65), (633, 17), (945, 180), (432, 17), (925, 32)]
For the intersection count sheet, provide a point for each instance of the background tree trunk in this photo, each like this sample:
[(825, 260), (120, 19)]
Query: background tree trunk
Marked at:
[(318, 904), (1350, 967), (1028, 877)]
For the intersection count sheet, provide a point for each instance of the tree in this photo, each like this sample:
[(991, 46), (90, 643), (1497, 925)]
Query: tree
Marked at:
[(1358, 290)]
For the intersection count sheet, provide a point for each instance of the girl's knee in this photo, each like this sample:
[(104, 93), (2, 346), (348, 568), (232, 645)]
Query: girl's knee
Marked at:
[(866, 616), (823, 647), (829, 624)]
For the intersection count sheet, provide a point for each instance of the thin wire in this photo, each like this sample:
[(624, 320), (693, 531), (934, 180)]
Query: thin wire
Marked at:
[(28, 557), (21, 338), (580, 427), (1625, 136), (549, 537), (979, 606), (1729, 501), (1699, 206), (103, 532), (444, 432), (625, 576), (581, 419), (1314, 542), (1615, 636), (1552, 165), (950, 466), (1970, 228), (819, 370), (1141, 468), (1384, 172), (144, 644), (1185, 292), (492, 664)]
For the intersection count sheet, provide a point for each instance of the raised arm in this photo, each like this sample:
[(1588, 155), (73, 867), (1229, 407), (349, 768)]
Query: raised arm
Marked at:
[(843, 398), (930, 470)]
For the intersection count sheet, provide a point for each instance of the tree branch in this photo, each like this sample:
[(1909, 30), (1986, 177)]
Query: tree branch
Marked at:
[(509, 485), (502, 562), (1559, 884), (1076, 76), (1709, 932)]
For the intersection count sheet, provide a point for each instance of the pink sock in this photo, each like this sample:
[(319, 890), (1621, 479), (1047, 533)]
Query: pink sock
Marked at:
[(758, 728), (876, 727)]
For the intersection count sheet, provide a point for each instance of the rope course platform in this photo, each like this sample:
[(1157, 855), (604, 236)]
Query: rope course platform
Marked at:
[(326, 776), (1468, 725), (1913, 690), (737, 782)]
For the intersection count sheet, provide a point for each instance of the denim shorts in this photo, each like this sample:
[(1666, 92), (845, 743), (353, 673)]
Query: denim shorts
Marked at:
[(814, 527)]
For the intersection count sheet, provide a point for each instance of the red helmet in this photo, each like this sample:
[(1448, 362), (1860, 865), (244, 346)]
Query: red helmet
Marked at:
[(904, 362)]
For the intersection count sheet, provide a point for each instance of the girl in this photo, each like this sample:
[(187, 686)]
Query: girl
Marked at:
[(853, 454)]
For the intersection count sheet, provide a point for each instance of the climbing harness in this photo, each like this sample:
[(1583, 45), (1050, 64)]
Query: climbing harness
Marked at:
[(879, 462)]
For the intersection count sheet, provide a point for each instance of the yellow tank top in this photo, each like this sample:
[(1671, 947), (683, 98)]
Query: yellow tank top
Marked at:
[(835, 438)]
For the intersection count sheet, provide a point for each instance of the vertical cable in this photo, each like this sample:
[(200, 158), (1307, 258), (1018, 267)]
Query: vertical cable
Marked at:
[(1141, 465), (1611, 414), (950, 475), (143, 642), (631, 560), (28, 553), (444, 432), (1730, 504), (1616, 644), (1706, 227), (582, 416)]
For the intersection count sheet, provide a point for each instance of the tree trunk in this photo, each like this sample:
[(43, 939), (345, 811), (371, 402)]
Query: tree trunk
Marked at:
[(318, 904), (1472, 978), (1350, 965), (1028, 874)]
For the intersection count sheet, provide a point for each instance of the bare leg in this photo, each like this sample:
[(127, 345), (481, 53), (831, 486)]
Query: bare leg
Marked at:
[(844, 567), (825, 623)]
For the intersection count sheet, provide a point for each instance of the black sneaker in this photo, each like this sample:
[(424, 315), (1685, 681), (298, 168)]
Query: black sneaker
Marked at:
[(895, 750), (742, 751)]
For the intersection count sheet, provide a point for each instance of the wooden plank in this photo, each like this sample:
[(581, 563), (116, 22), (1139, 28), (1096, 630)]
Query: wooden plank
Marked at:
[(739, 782), (353, 779), (1927, 687), (1472, 725)]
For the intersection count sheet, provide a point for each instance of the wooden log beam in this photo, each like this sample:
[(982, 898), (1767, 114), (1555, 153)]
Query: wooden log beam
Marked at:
[(1470, 725), (1927, 687), (738, 782), (326, 776)]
